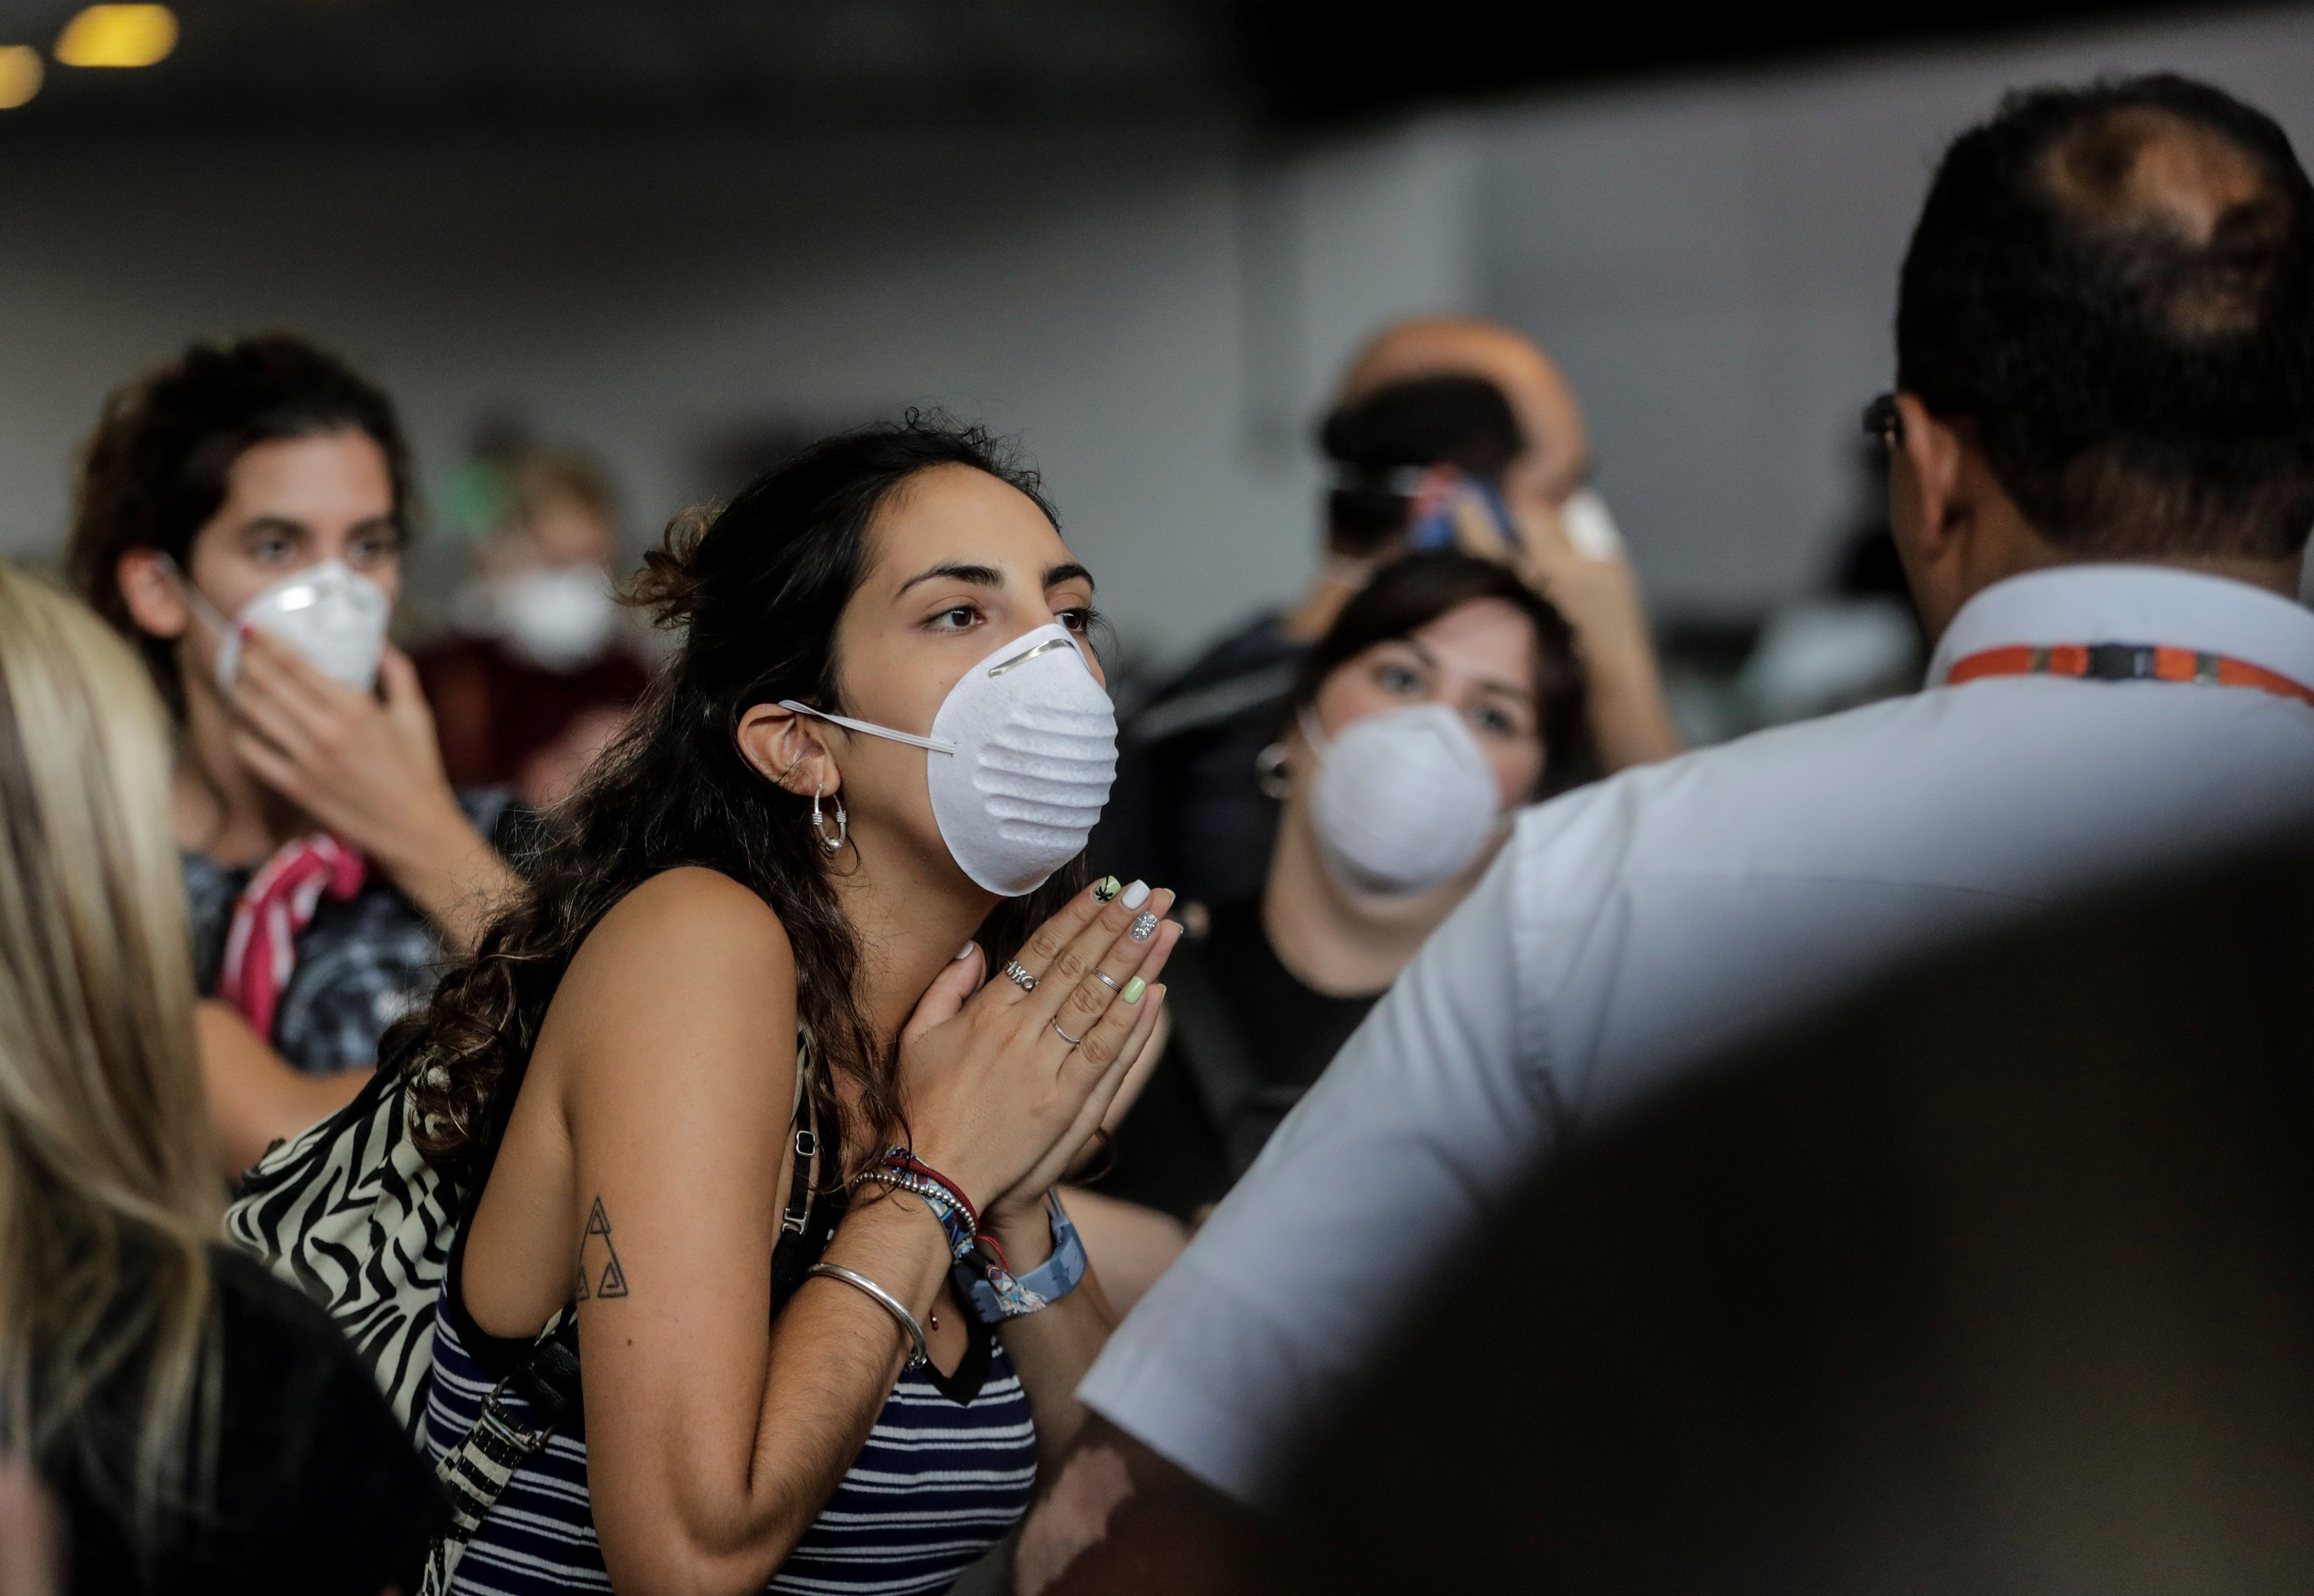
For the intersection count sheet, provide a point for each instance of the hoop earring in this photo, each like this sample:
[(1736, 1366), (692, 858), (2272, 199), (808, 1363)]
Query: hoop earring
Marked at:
[(834, 845), (1270, 773)]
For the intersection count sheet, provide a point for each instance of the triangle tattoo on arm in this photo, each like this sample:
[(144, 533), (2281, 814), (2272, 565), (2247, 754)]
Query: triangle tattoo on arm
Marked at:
[(610, 1280)]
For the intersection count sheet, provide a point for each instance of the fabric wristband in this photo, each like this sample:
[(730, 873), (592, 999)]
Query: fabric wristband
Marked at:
[(1048, 1282), (978, 1253)]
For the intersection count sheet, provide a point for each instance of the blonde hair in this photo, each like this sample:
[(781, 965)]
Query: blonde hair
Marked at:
[(108, 1195)]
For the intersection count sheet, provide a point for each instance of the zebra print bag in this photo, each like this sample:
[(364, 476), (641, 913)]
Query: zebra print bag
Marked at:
[(352, 1214)]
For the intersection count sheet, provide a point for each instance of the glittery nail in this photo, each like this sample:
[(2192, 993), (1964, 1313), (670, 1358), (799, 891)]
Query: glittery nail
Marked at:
[(1144, 926)]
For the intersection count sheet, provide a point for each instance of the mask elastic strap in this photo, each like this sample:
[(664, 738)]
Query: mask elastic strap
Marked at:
[(209, 614), (931, 744), (1312, 732)]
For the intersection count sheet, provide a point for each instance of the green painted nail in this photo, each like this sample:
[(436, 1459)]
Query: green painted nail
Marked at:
[(1105, 888), (1134, 988)]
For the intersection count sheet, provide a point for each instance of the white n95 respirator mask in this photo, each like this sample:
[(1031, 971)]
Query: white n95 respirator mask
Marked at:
[(1019, 759), (560, 618), (329, 612), (1404, 800)]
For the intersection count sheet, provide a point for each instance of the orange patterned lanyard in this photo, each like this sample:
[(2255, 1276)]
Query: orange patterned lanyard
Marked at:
[(2127, 662)]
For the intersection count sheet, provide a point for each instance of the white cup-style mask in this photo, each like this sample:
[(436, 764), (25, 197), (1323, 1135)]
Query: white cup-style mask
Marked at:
[(560, 618), (1019, 759), (1404, 801), (329, 612)]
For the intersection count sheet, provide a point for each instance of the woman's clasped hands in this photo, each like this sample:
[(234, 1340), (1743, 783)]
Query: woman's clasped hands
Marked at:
[(1005, 1085)]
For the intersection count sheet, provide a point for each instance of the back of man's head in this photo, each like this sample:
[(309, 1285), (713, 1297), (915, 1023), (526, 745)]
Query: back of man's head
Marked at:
[(1377, 440), (2115, 285)]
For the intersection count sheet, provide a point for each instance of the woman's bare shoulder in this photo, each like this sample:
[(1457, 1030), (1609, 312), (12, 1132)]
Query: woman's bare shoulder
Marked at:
[(690, 911), (689, 948), (693, 895)]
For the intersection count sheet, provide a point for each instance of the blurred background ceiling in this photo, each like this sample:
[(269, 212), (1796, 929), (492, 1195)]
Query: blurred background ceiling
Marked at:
[(264, 67), (1141, 236)]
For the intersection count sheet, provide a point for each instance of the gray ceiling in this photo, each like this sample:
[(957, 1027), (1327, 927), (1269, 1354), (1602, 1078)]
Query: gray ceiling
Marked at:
[(271, 69), (264, 67)]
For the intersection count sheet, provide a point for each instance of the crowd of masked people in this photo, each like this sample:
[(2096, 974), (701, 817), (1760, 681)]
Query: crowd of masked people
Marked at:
[(853, 1094)]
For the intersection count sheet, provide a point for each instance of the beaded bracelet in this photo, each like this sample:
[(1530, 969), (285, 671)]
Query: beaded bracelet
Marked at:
[(953, 1220), (973, 1247)]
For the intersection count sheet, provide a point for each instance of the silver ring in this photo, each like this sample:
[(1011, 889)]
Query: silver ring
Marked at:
[(1019, 976), (1107, 980), (1071, 1041)]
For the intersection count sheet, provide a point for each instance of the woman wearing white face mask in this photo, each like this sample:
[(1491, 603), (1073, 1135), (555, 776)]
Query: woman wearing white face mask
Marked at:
[(241, 518), (770, 1077), (1445, 696), (544, 671)]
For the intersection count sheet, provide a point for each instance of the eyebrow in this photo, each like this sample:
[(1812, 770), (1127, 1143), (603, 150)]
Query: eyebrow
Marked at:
[(977, 576), (270, 522), (988, 576)]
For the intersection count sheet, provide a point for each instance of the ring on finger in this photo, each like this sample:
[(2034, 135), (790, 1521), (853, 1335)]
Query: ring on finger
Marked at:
[(1019, 976), (1107, 979), (1064, 1036)]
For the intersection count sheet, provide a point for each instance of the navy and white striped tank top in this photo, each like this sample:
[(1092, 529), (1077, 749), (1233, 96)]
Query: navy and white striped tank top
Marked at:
[(945, 1475)]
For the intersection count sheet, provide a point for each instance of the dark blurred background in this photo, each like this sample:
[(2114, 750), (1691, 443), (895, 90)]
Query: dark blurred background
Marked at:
[(1141, 233)]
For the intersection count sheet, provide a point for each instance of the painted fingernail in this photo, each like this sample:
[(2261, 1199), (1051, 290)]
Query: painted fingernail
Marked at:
[(1134, 988), (965, 951), (1144, 926), (1105, 888), (1136, 894)]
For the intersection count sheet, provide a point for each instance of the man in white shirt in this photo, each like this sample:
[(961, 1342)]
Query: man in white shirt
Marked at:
[(2102, 478)]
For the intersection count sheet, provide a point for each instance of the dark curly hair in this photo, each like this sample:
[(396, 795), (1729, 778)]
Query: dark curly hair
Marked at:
[(758, 589), (160, 460)]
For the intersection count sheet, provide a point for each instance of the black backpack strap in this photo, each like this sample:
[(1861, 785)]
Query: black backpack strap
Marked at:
[(1242, 1107)]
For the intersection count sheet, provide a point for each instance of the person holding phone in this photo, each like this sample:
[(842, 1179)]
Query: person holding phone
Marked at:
[(1448, 433)]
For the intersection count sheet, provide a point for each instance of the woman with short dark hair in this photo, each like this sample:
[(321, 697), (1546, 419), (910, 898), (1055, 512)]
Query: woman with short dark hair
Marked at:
[(242, 515), (1445, 695)]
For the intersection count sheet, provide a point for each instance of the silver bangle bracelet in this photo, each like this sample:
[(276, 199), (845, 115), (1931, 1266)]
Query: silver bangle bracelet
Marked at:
[(919, 1356)]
